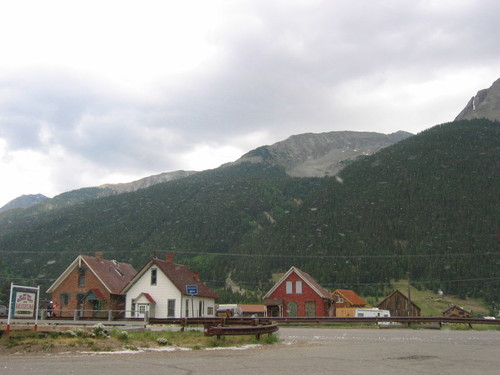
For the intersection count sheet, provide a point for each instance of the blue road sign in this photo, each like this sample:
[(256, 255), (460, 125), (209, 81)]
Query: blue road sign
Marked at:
[(192, 290)]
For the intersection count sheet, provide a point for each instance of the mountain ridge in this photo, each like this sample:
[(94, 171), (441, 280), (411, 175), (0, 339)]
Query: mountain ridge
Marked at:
[(303, 155), (485, 104)]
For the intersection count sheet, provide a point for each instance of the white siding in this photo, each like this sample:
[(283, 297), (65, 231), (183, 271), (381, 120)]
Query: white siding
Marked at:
[(162, 292)]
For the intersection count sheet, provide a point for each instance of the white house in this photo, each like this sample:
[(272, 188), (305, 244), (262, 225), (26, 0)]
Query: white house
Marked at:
[(164, 289)]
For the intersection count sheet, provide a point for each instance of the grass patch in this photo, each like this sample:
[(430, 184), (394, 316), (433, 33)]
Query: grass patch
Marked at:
[(100, 339)]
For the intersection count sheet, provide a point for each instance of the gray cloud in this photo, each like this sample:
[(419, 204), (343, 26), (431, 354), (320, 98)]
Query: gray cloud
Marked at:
[(277, 69)]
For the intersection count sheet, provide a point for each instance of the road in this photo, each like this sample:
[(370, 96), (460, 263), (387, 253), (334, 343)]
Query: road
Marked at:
[(303, 351)]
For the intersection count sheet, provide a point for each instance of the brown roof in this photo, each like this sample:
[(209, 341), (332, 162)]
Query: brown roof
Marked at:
[(397, 292), (181, 276), (149, 298), (351, 296), (114, 275), (322, 292)]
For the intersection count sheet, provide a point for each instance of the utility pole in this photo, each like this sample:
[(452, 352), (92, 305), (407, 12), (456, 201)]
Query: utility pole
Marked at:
[(409, 309)]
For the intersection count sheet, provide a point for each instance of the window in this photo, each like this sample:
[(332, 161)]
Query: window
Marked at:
[(81, 277), (133, 308), (171, 308), (289, 286), (201, 307), (298, 287), (154, 272), (210, 311), (64, 298)]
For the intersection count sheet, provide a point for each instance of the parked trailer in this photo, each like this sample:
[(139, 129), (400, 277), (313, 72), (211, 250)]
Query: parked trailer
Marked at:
[(372, 313)]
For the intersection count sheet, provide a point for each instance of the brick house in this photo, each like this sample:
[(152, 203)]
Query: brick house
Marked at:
[(399, 305), (457, 312), (90, 285), (346, 302), (297, 294), (159, 290)]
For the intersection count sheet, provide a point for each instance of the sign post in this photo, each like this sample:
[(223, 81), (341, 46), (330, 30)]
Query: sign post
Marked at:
[(192, 290), (23, 303)]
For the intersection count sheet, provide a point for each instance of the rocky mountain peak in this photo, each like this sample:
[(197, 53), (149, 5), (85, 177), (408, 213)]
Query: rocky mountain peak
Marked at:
[(24, 201), (486, 103), (323, 154)]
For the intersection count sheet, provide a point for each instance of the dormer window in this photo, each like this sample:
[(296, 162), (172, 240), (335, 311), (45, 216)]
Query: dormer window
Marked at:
[(154, 272)]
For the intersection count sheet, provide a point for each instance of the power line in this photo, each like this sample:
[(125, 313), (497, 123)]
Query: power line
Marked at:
[(246, 255)]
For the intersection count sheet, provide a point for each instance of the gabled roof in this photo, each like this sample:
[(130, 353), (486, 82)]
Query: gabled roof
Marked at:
[(394, 293), (322, 292), (180, 276), (455, 307), (148, 297), (351, 296), (112, 274)]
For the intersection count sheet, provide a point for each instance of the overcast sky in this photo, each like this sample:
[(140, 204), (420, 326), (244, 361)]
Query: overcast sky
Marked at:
[(95, 92)]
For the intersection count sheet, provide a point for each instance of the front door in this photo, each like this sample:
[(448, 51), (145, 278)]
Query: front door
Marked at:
[(292, 309), (142, 309)]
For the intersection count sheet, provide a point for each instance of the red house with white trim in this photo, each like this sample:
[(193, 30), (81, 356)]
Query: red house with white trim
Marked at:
[(297, 294)]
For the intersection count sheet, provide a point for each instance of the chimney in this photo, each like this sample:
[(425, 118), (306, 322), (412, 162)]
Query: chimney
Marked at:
[(99, 255), (170, 257), (196, 276)]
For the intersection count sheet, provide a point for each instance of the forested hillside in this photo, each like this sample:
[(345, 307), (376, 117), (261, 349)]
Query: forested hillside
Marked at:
[(209, 212), (427, 207)]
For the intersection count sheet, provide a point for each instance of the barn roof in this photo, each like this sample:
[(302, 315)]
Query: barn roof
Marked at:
[(396, 292)]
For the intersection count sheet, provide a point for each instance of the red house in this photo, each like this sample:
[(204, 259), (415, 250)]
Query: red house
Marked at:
[(297, 294), (90, 285)]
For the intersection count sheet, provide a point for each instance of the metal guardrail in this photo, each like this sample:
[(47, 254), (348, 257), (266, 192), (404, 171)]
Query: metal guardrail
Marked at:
[(321, 320)]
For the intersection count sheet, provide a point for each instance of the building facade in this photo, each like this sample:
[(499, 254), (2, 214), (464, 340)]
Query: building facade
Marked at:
[(90, 285), (163, 289), (297, 294)]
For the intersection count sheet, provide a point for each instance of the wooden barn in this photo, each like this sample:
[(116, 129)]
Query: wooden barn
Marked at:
[(399, 305), (457, 312)]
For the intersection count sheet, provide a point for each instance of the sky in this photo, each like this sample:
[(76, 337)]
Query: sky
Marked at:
[(95, 92)]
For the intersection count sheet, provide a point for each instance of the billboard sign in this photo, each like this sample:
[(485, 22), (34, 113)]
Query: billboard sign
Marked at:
[(24, 304)]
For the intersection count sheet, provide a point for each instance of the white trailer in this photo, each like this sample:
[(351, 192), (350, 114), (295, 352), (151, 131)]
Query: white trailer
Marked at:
[(372, 313)]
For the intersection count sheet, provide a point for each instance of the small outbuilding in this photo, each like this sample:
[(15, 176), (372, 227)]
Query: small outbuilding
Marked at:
[(399, 305), (346, 302), (457, 312)]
